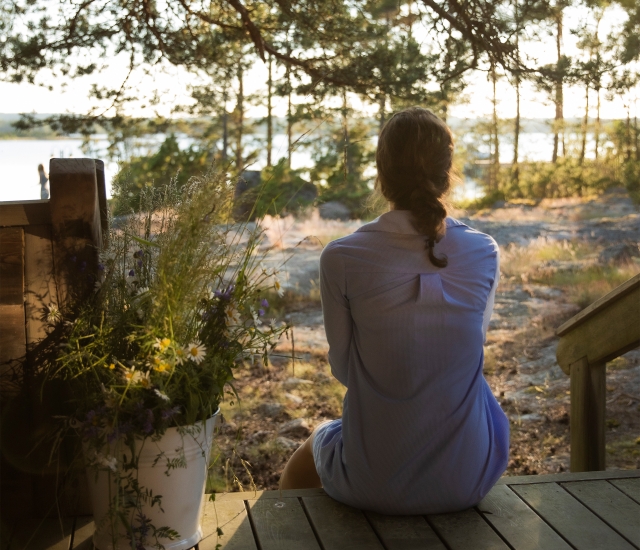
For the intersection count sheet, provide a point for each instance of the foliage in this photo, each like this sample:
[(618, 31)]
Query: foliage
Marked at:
[(179, 302), (157, 171)]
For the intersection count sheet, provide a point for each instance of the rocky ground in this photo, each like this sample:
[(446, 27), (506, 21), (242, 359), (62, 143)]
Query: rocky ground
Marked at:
[(557, 257)]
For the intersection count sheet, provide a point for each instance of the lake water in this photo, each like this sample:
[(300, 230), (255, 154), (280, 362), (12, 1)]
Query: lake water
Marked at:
[(19, 159)]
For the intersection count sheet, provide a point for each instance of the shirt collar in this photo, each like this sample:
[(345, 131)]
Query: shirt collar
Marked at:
[(399, 221)]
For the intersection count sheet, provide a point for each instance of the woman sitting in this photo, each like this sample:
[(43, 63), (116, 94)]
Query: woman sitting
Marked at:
[(406, 301)]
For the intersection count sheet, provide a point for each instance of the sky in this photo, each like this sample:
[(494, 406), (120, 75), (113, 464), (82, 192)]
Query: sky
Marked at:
[(173, 84)]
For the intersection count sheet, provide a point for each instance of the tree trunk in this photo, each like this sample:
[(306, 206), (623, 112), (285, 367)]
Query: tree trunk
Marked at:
[(225, 126), (239, 118), (269, 115), (596, 129), (585, 127), (558, 133), (516, 136), (627, 156), (348, 161), (382, 114), (495, 157), (289, 118)]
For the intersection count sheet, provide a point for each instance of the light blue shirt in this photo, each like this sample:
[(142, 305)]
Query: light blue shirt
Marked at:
[(421, 431)]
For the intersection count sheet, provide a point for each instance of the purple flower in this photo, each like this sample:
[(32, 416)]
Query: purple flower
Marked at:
[(132, 273), (100, 267), (138, 254), (170, 413), (264, 303), (147, 426), (139, 262), (260, 312)]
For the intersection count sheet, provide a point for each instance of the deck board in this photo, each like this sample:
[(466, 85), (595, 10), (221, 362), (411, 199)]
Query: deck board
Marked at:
[(610, 504), (466, 530), (232, 519), (405, 532), (340, 527), (630, 487), (576, 523), (522, 528)]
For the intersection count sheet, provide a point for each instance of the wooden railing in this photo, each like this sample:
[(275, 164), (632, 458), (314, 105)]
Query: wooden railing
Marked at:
[(601, 332), (48, 251)]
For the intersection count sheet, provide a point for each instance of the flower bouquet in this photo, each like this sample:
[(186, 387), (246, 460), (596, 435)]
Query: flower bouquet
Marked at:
[(180, 301)]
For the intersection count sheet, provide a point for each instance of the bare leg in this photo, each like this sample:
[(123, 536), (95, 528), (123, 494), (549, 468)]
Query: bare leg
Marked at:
[(300, 472)]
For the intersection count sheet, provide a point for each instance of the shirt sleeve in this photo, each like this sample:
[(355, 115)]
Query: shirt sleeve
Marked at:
[(488, 310), (336, 312)]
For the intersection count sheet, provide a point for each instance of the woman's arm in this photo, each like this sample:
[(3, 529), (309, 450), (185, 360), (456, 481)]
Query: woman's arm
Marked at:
[(336, 310), (488, 310)]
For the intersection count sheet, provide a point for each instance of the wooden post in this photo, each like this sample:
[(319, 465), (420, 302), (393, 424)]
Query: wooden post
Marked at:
[(588, 394)]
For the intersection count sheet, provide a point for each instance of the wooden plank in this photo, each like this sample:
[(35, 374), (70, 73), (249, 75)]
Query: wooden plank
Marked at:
[(587, 419), (231, 517), (566, 476), (630, 487), (14, 213), (612, 505), (466, 530), (614, 330), (82, 537), (77, 228), (255, 495), (40, 287), (597, 306), (102, 200), (45, 534), (340, 527), (281, 524), (405, 532), (12, 319), (521, 527), (571, 519)]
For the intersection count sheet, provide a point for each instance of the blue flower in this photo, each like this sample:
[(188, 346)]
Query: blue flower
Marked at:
[(260, 312), (264, 303), (132, 273)]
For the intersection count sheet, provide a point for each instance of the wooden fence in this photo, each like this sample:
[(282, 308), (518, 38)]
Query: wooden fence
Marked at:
[(48, 251)]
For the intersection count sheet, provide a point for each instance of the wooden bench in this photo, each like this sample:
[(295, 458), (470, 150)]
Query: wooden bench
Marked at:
[(584, 511)]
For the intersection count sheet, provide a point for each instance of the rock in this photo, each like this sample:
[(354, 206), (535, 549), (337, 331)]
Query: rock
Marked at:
[(322, 378), (287, 444), (259, 437), (228, 427), (295, 382), (529, 417), (334, 210), (270, 410), (619, 254), (294, 398), (295, 428)]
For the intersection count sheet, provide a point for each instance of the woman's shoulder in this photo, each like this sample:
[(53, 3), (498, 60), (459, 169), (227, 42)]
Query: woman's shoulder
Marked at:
[(461, 231)]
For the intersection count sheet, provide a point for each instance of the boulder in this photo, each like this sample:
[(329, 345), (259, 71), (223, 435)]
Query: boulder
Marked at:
[(295, 428), (619, 254), (334, 210), (270, 410)]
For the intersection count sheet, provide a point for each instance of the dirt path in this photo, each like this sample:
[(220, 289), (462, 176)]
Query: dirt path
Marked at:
[(280, 404)]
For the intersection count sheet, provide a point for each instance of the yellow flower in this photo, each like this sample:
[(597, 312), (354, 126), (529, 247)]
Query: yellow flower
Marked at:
[(110, 366), (162, 344), (162, 367)]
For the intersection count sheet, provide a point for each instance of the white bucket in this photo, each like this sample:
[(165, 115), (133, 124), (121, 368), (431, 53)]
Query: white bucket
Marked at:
[(182, 490)]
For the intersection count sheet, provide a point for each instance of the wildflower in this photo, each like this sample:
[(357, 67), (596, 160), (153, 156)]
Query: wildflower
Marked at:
[(142, 290), (53, 314), (272, 323), (278, 288), (131, 375), (109, 461), (196, 352), (162, 367), (255, 316), (144, 380), (261, 312), (233, 315), (264, 303), (161, 395), (140, 314), (162, 344), (110, 366), (181, 355)]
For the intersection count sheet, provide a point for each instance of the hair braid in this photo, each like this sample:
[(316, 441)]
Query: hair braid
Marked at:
[(414, 159)]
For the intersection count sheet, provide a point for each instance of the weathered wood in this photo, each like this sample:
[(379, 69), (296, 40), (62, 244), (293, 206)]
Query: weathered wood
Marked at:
[(77, 227), (578, 525), (517, 523), (231, 517), (19, 213), (600, 304), (45, 534), (340, 527), (566, 476), (587, 419), (40, 288), (281, 525), (613, 328), (82, 537), (612, 505), (12, 335), (102, 200), (630, 487), (466, 531), (261, 495), (405, 532)]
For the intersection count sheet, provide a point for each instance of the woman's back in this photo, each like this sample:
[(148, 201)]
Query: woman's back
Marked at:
[(421, 432)]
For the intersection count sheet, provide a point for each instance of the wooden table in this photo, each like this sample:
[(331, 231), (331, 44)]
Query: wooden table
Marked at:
[(590, 511)]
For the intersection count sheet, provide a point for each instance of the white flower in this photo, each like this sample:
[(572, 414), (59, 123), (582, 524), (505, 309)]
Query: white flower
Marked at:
[(233, 315), (272, 323), (131, 375), (161, 395), (142, 290), (196, 352), (256, 319), (53, 314), (109, 461), (140, 314), (278, 288)]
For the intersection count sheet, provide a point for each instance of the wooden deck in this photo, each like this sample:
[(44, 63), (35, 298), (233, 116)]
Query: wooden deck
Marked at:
[(590, 511)]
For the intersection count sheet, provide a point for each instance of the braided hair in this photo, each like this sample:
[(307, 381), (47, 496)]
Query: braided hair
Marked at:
[(414, 158)]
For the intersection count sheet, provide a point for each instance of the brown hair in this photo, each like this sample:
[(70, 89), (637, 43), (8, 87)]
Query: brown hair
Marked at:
[(414, 158)]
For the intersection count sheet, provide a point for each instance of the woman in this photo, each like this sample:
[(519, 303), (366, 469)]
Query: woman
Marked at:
[(406, 301)]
